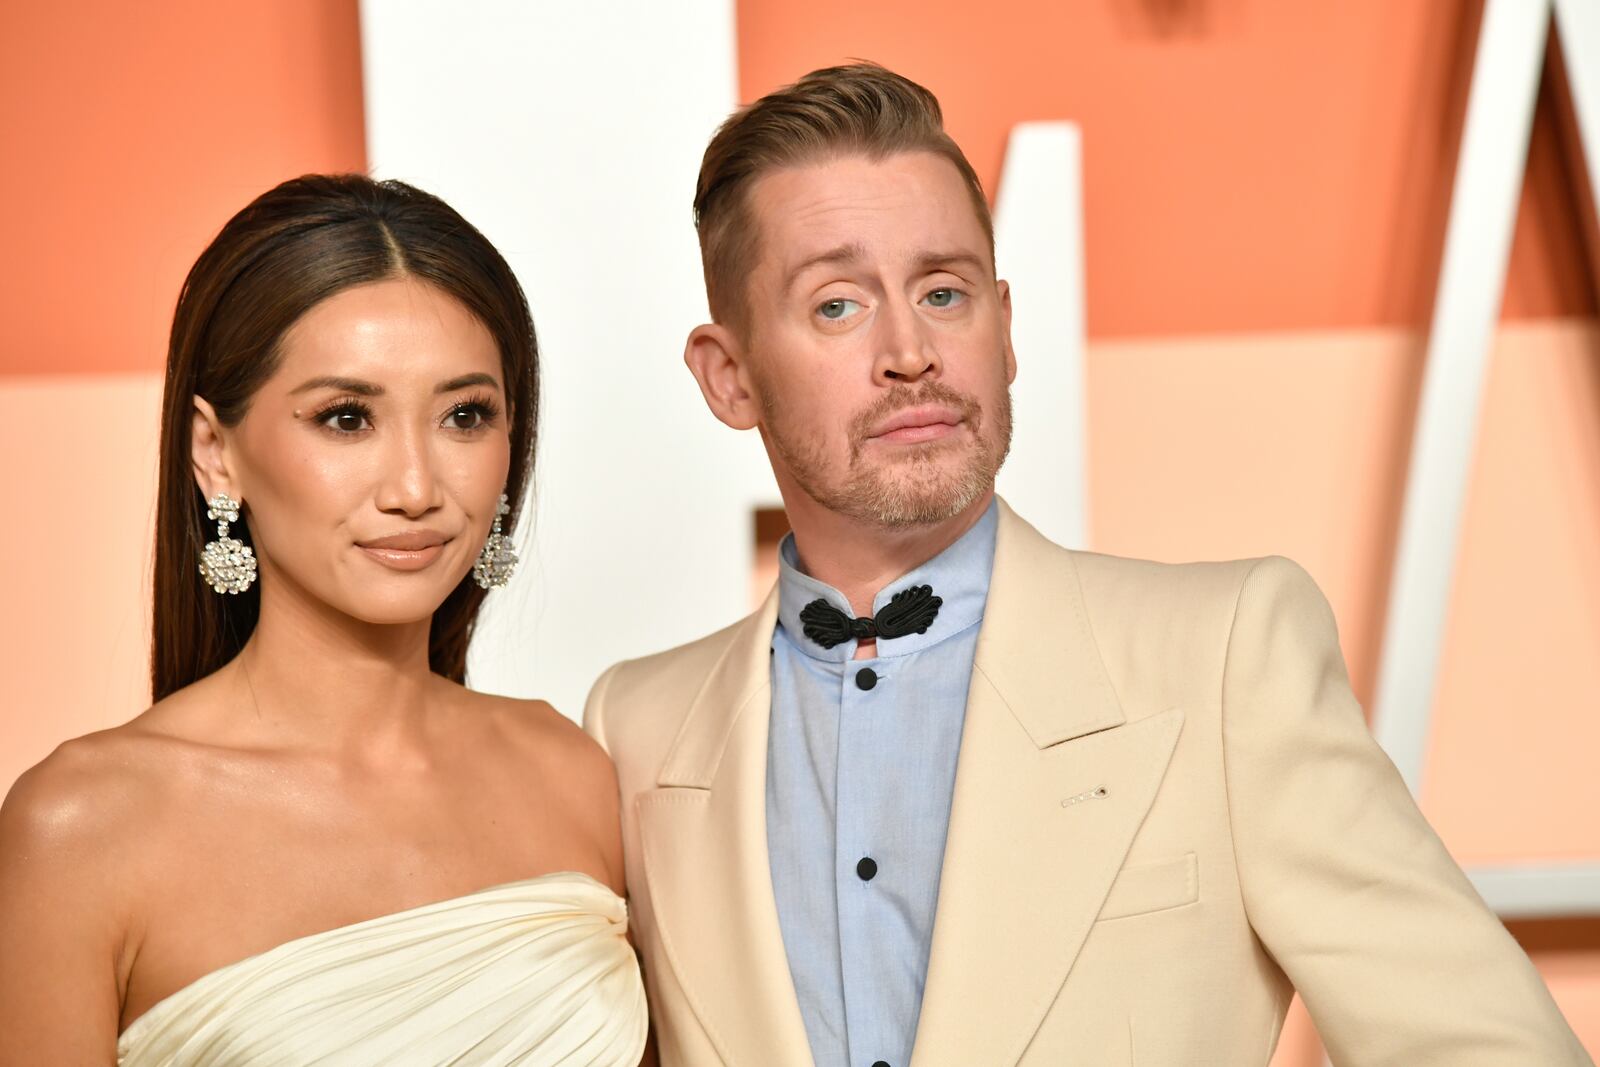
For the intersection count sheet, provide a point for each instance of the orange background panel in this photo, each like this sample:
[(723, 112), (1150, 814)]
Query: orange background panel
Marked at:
[(132, 132), (1247, 166)]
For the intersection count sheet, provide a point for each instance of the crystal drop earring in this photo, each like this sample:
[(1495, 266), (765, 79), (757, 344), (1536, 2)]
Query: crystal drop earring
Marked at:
[(497, 560), (227, 564)]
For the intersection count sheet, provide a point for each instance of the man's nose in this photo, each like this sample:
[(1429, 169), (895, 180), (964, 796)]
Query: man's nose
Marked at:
[(906, 351)]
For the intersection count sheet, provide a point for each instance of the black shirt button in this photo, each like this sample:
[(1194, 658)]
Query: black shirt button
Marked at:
[(880, 1063), (866, 678), (866, 869)]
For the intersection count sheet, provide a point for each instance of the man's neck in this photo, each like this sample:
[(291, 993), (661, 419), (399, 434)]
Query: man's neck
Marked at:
[(859, 559)]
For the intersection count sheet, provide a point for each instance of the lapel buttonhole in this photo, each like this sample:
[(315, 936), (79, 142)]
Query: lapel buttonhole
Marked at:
[(1099, 792)]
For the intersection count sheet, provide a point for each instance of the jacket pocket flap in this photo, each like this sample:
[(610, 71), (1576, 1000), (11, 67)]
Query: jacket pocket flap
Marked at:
[(1148, 887)]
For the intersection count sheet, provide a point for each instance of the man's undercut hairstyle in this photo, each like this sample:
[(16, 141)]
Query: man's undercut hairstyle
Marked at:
[(860, 109)]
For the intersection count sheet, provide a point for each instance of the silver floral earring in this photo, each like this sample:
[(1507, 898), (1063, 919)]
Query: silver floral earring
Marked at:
[(227, 564), (497, 560)]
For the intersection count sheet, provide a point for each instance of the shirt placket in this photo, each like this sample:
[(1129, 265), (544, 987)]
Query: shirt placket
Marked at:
[(857, 861)]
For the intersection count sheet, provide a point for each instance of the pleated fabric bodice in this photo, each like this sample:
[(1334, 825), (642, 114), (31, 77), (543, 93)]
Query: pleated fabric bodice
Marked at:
[(537, 972)]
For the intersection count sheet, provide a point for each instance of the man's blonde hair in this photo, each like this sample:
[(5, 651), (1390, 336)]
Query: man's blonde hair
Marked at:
[(857, 109)]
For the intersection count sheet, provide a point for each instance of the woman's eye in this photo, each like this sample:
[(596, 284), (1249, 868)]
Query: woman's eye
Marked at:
[(465, 417), (346, 420), (838, 309), (943, 298)]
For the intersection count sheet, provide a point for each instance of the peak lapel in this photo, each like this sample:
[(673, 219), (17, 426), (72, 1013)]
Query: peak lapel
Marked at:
[(704, 834), (1025, 874)]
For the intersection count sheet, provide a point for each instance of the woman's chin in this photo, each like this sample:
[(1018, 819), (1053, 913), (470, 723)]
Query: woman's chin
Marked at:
[(397, 607)]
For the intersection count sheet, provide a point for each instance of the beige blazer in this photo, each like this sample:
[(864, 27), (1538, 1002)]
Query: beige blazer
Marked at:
[(1168, 816)]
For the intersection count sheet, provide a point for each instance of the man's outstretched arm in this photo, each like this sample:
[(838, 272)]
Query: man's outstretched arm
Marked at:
[(1397, 957)]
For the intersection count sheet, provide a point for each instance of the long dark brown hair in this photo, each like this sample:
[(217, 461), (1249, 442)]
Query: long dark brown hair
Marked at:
[(291, 248)]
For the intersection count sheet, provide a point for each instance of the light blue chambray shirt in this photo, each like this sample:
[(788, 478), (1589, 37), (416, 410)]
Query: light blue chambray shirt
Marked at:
[(861, 765)]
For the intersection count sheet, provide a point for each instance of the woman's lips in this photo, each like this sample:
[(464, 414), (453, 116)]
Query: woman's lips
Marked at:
[(402, 559), (410, 551)]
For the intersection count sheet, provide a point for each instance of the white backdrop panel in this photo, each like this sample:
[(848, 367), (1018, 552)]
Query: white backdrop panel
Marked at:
[(571, 135), (1038, 233)]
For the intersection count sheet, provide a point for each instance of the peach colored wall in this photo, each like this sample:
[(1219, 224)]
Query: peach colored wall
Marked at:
[(132, 132), (75, 585), (1512, 766)]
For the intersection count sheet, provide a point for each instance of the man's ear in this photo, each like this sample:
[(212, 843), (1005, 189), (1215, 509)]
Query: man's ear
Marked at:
[(717, 359), (208, 451), (1004, 289)]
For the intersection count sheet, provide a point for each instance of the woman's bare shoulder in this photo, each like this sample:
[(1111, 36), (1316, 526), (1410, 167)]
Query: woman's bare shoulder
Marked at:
[(86, 792), (92, 790), (558, 771), (63, 833), (67, 901), (537, 725), (535, 734)]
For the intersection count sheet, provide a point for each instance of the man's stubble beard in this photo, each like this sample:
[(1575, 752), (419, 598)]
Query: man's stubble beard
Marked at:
[(915, 490)]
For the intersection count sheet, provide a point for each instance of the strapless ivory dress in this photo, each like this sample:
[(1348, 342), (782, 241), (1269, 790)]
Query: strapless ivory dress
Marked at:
[(530, 973)]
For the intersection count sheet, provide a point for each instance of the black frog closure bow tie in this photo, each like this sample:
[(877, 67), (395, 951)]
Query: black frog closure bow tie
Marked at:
[(910, 611)]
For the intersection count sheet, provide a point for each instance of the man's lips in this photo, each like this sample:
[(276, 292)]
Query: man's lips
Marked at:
[(408, 551), (915, 425)]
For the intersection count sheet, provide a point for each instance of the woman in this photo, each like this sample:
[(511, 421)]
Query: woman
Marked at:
[(318, 846)]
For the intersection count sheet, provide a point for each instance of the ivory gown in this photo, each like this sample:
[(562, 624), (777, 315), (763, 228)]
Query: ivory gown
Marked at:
[(536, 972)]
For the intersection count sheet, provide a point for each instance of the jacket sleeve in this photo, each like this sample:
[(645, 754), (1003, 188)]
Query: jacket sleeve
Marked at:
[(1398, 959)]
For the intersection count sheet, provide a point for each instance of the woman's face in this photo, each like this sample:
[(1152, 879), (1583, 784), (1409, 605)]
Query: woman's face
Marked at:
[(371, 463)]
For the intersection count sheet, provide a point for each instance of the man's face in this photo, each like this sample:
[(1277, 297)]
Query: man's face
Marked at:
[(877, 338)]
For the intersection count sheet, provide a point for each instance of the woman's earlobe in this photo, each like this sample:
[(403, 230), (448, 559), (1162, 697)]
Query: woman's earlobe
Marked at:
[(208, 452)]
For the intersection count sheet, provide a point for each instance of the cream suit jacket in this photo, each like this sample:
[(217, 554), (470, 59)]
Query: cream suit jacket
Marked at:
[(1168, 816)]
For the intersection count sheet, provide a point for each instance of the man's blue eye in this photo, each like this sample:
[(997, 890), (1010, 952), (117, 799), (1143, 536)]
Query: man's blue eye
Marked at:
[(837, 309), (943, 298)]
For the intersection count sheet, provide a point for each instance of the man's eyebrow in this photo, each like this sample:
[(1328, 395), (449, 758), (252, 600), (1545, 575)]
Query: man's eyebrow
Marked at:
[(468, 379), (931, 261), (344, 385), (847, 253)]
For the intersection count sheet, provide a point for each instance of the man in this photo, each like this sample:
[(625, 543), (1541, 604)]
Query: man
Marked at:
[(954, 795)]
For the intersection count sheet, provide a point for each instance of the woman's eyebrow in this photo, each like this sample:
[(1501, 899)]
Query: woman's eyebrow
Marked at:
[(344, 385), (362, 387), (468, 379)]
